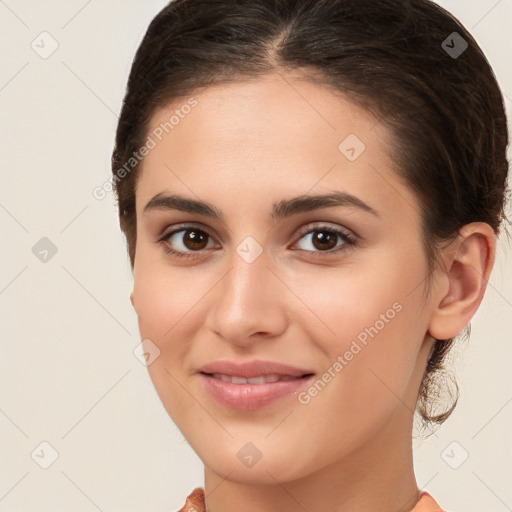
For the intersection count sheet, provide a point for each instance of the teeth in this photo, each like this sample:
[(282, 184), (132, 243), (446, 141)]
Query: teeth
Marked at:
[(253, 380)]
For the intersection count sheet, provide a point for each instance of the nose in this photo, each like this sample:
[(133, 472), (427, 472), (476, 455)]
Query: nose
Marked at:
[(248, 303)]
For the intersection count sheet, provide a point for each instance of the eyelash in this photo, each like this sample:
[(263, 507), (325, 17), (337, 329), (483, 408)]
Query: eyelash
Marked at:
[(349, 241)]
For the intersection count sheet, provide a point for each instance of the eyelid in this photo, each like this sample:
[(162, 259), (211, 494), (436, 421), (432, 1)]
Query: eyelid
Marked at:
[(318, 226), (349, 239), (168, 231), (162, 240), (348, 236), (312, 226)]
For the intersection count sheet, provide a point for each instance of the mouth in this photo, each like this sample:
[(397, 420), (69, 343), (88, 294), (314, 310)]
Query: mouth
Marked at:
[(250, 393), (262, 379)]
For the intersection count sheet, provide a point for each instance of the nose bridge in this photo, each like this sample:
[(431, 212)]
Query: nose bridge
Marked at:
[(247, 300), (243, 289)]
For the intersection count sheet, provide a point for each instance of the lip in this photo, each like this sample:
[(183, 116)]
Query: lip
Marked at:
[(252, 396), (253, 368)]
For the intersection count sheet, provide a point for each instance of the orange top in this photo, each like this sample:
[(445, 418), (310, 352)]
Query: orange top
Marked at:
[(195, 503)]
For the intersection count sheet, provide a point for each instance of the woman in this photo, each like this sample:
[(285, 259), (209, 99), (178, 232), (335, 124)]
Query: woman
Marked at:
[(311, 192)]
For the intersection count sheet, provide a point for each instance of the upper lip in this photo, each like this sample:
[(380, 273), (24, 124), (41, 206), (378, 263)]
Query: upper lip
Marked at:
[(249, 369)]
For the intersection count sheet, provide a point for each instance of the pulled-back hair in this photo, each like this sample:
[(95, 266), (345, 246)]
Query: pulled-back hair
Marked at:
[(399, 59)]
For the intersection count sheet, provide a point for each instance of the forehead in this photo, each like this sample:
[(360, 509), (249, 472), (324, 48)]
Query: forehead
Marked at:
[(277, 111), (268, 136)]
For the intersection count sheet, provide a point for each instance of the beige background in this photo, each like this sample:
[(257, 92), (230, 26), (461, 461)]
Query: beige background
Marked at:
[(68, 374)]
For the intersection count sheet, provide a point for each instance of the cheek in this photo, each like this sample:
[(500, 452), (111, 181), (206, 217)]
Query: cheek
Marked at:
[(370, 324), (166, 302), (361, 301), (366, 384), (164, 299)]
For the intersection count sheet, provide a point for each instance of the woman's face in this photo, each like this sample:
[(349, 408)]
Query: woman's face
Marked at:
[(334, 289)]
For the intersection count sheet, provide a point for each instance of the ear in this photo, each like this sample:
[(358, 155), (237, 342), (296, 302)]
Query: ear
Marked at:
[(468, 262), (131, 299)]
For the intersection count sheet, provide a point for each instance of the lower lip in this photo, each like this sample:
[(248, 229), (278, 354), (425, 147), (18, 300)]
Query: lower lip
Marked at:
[(250, 396)]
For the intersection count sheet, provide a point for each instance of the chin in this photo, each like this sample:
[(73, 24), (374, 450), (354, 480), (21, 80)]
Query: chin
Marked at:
[(260, 474), (245, 463)]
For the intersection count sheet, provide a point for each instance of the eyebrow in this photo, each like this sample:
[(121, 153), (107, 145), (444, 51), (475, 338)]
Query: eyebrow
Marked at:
[(280, 210)]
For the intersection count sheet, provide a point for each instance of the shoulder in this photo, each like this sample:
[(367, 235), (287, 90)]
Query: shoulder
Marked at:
[(194, 501), (427, 503)]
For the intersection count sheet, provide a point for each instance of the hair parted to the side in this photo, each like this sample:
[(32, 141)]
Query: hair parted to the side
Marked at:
[(446, 114)]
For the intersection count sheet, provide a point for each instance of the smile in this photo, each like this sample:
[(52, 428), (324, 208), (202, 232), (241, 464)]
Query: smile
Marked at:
[(252, 393), (262, 379)]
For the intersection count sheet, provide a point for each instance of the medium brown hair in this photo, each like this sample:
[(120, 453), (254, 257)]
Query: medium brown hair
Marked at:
[(395, 58)]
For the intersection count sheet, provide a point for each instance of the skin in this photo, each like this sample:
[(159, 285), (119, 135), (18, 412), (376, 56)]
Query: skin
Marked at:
[(244, 147)]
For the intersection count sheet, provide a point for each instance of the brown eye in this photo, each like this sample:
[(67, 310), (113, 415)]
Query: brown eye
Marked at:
[(324, 240), (194, 239), (187, 240)]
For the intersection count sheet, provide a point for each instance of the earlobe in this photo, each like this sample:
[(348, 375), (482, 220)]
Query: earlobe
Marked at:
[(467, 271)]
